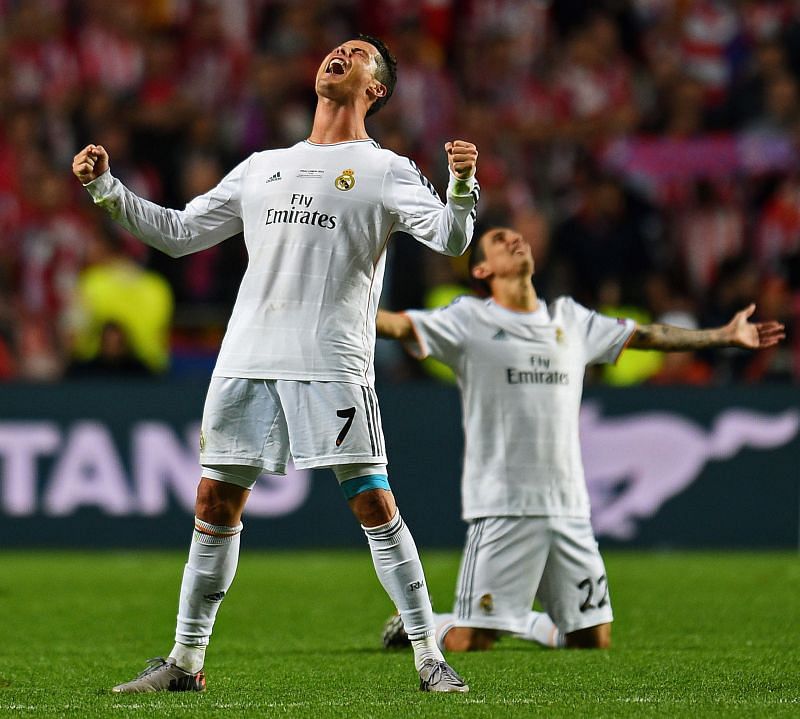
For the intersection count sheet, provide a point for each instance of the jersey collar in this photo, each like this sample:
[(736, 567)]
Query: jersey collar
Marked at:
[(334, 144), (539, 313)]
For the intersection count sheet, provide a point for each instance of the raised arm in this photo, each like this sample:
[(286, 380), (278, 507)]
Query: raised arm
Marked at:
[(739, 332), (204, 222), (394, 326), (408, 195)]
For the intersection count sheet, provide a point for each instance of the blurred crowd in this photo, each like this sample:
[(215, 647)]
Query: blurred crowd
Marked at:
[(647, 149)]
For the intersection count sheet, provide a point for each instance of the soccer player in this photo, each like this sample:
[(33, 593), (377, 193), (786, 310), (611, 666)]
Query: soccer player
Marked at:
[(520, 364), (294, 376)]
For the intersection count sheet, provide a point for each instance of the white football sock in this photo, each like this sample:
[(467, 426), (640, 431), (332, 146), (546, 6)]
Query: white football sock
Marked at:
[(541, 629), (425, 649), (190, 659), (399, 570), (207, 576)]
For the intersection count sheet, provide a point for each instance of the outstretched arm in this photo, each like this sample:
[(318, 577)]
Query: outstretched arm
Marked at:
[(394, 326), (206, 221), (739, 332)]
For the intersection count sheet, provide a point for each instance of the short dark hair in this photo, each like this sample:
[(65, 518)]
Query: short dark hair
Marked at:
[(386, 74), (476, 256)]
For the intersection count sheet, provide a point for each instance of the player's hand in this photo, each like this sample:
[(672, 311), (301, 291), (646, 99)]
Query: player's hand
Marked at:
[(90, 163), (462, 157), (753, 335)]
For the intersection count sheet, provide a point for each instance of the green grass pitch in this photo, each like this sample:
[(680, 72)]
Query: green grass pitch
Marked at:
[(696, 634)]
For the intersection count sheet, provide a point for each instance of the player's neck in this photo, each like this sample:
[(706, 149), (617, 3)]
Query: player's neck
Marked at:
[(334, 122), (516, 294)]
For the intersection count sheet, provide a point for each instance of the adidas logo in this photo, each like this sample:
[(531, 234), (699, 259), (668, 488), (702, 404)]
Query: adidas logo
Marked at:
[(500, 335), (276, 176), (216, 597)]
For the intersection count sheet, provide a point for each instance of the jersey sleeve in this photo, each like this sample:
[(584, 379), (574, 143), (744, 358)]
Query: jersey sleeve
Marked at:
[(206, 221), (409, 196), (604, 337), (439, 333)]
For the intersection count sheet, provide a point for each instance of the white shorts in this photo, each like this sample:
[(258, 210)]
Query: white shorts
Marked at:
[(510, 561), (261, 423)]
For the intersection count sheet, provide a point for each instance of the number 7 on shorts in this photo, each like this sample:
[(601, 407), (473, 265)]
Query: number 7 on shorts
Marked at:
[(349, 413)]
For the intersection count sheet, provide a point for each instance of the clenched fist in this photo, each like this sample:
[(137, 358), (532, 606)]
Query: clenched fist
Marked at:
[(462, 157), (90, 163)]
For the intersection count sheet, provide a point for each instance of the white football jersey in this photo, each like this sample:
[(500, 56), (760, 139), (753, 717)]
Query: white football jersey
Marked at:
[(316, 220), (521, 380)]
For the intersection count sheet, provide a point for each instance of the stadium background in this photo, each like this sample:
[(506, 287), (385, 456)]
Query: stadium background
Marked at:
[(647, 149)]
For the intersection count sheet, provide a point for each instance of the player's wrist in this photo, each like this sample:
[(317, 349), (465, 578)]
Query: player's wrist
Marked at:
[(105, 174), (723, 336), (458, 187)]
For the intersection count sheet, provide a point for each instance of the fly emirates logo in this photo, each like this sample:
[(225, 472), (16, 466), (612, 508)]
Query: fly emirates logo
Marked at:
[(300, 213), (539, 372)]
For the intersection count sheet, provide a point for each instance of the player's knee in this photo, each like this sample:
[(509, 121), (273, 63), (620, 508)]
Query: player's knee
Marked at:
[(467, 639), (373, 507), (598, 637), (219, 502)]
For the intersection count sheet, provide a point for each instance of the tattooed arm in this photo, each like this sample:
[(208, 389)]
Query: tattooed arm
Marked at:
[(739, 332)]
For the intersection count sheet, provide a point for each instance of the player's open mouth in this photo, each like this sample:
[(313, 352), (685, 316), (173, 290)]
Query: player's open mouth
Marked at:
[(336, 66)]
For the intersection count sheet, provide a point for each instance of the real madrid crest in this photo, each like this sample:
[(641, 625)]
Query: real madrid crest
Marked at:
[(346, 181), (486, 603), (559, 335)]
